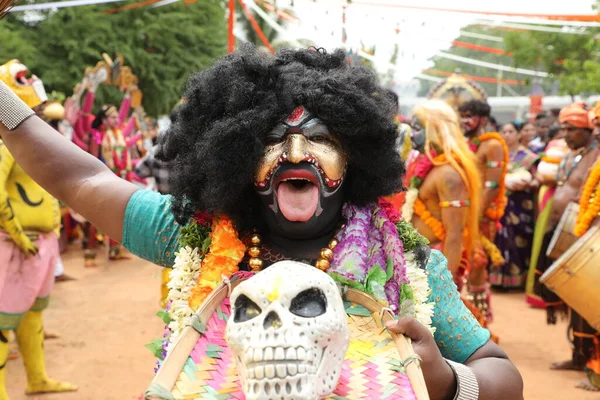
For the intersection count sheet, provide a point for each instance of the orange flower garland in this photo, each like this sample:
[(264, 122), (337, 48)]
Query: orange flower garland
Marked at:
[(225, 253), (588, 207), (496, 209), (436, 225)]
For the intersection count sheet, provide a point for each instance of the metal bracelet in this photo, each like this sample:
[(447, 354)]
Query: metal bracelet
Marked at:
[(467, 387), (13, 110)]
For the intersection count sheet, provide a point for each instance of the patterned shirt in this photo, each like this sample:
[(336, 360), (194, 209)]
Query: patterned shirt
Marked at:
[(149, 166), (150, 232)]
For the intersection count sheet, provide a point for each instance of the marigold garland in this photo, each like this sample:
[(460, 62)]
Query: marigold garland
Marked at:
[(589, 207), (496, 209), (224, 255), (492, 251), (436, 225), (420, 168)]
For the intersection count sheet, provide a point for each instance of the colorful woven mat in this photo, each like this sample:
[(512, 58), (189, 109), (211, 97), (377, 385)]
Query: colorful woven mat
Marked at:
[(371, 369)]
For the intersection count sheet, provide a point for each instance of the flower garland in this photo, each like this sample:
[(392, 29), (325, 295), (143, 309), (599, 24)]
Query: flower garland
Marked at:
[(184, 277), (435, 224), (416, 174), (496, 209), (589, 203), (224, 256), (198, 271), (369, 257), (423, 309)]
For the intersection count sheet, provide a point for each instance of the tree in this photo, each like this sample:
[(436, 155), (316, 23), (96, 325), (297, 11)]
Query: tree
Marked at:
[(449, 66), (572, 59), (161, 45)]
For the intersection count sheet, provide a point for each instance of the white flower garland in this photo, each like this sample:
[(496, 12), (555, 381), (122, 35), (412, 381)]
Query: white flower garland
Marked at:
[(421, 291), (185, 272), (184, 276), (409, 202)]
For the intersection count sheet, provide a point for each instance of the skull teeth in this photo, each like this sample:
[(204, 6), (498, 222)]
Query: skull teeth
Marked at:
[(281, 371), (279, 354), (275, 353)]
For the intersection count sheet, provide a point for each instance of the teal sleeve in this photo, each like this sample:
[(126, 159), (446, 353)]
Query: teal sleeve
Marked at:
[(458, 334), (150, 230)]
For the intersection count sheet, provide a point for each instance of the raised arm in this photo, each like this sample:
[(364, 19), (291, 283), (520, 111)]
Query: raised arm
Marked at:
[(86, 110), (70, 174), (125, 107), (131, 124)]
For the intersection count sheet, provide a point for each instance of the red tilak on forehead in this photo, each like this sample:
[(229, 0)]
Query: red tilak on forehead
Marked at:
[(295, 115)]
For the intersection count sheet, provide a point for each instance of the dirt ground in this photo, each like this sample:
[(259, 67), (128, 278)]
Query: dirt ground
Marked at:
[(107, 315)]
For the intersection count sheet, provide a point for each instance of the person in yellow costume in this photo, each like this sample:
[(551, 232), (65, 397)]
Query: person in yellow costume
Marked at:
[(29, 222)]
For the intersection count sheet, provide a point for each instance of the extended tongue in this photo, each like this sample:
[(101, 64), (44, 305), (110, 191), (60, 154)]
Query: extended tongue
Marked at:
[(297, 204)]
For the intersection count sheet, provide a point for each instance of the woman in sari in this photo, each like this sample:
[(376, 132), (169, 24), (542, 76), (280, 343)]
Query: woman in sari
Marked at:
[(545, 180), (515, 238)]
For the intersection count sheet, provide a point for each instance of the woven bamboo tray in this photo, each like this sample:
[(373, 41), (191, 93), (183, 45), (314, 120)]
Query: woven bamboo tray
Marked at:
[(201, 366)]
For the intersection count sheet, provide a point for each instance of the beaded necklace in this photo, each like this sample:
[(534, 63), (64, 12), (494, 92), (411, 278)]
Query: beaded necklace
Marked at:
[(562, 168)]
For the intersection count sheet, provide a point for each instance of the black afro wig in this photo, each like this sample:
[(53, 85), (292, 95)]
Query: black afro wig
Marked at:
[(219, 135)]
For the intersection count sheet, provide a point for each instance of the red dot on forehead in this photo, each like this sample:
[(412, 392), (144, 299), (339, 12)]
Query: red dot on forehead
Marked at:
[(296, 115)]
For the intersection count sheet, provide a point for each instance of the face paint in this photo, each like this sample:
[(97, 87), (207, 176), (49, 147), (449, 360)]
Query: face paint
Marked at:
[(300, 174), (470, 124), (30, 90), (418, 136)]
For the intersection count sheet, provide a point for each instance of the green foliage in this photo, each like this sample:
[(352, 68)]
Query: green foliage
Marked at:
[(164, 316), (156, 347), (195, 236), (162, 46), (446, 65), (571, 59), (411, 239), (581, 78)]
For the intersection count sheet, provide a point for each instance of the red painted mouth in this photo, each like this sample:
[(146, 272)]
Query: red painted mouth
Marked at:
[(297, 194), (21, 77)]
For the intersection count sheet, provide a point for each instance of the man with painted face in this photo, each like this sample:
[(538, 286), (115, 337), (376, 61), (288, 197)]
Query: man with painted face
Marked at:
[(492, 157), (444, 185), (290, 148)]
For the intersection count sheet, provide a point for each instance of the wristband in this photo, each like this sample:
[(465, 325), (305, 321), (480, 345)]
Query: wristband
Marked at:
[(467, 387), (13, 110)]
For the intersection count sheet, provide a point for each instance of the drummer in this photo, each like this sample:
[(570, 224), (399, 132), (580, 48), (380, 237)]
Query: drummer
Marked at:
[(587, 217), (572, 172)]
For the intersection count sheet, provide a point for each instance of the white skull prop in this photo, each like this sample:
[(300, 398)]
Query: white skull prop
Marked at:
[(289, 333)]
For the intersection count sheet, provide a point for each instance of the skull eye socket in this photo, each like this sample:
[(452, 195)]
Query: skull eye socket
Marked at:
[(245, 309), (309, 303)]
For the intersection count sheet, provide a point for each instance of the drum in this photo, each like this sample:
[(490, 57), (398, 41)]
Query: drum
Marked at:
[(378, 364), (575, 276), (563, 236)]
